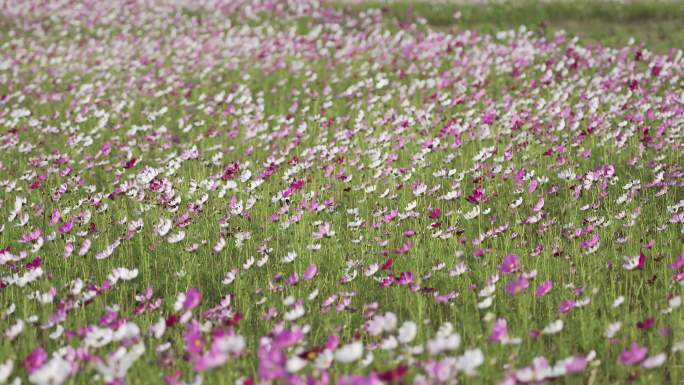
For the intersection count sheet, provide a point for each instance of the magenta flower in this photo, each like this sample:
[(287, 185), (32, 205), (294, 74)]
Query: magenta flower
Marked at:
[(405, 278), (271, 363), (287, 337), (566, 306), (35, 360), (633, 355), (591, 242), (65, 227), (544, 288), (292, 279), (510, 264), (499, 330), (193, 297), (679, 262), (434, 214), (476, 196), (332, 342), (517, 285), (193, 338), (310, 272)]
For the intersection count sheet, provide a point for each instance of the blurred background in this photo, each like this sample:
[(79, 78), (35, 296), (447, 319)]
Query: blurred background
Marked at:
[(659, 24)]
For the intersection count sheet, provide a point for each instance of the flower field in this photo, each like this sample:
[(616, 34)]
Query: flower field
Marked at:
[(289, 192)]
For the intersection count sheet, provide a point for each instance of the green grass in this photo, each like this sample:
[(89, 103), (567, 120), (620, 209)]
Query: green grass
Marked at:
[(657, 24)]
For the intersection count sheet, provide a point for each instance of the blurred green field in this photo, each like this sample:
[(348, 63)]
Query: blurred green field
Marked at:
[(657, 24)]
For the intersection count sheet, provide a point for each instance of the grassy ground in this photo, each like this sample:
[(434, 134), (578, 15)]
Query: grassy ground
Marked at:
[(657, 24), (565, 155)]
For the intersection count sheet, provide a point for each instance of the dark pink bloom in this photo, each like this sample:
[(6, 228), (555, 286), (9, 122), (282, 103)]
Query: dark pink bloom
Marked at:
[(642, 261), (476, 196), (35, 360), (645, 324)]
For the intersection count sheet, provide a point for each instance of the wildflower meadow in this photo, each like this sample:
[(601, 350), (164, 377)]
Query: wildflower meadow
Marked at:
[(313, 192)]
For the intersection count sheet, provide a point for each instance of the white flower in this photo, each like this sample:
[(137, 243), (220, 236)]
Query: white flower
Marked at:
[(295, 313), (159, 327), (389, 343), (470, 361), (54, 372), (675, 302), (122, 273), (379, 324), (349, 353), (290, 257), (445, 340), (554, 327), (6, 370), (232, 344), (486, 303), (99, 337), (654, 361), (163, 227), (295, 364), (13, 331), (126, 331), (117, 364), (407, 332), (324, 359), (618, 301), (612, 329), (177, 237)]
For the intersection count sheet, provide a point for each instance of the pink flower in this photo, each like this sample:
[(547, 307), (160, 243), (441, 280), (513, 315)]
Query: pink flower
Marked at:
[(499, 330), (65, 227), (193, 338), (591, 242), (310, 272), (576, 365), (510, 264), (405, 278), (292, 279), (544, 288), (633, 355), (332, 342), (517, 285), (193, 297), (566, 306), (679, 262)]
